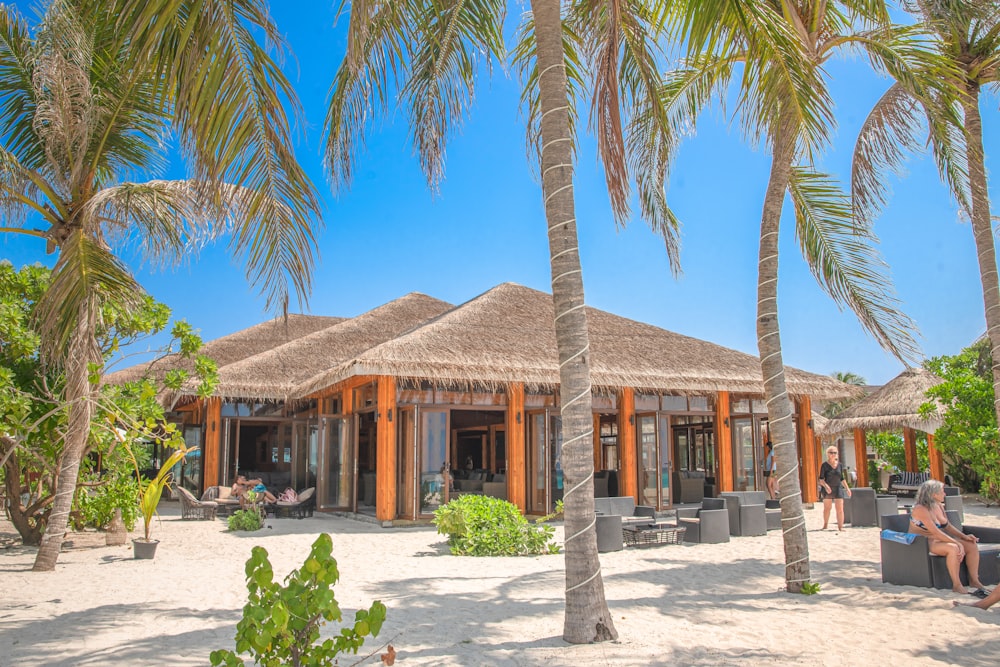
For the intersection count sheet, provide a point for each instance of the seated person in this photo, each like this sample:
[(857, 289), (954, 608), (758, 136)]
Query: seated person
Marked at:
[(242, 485), (928, 519)]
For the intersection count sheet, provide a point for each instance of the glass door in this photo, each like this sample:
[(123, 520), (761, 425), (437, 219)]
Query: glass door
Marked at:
[(305, 451), (536, 441), (744, 455), (649, 487), (336, 487), (433, 452), (406, 451)]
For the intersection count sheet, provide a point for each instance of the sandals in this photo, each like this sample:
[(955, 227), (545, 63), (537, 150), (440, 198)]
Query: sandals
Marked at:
[(980, 593)]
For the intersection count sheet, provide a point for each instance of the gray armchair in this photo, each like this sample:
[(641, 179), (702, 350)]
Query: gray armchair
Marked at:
[(708, 524), (912, 564), (689, 486), (953, 501), (747, 514), (867, 506), (772, 513)]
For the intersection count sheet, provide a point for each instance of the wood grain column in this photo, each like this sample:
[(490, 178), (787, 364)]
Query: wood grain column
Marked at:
[(516, 421), (861, 456), (598, 454), (213, 442), (910, 448), (808, 449), (723, 443), (628, 473), (936, 461), (385, 449)]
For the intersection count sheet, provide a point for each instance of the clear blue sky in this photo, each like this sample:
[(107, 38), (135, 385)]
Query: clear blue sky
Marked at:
[(389, 235)]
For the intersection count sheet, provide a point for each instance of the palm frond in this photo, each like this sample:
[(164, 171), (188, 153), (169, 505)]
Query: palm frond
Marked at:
[(846, 264), (17, 94)]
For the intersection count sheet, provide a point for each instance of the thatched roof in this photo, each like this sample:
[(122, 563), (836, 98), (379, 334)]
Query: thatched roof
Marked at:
[(272, 374), (894, 406), (506, 335), (234, 347)]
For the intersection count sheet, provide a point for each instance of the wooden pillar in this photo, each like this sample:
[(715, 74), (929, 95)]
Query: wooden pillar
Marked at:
[(807, 451), (936, 461), (723, 443), (213, 442), (910, 448), (516, 446), (861, 456), (628, 468), (385, 449), (598, 454)]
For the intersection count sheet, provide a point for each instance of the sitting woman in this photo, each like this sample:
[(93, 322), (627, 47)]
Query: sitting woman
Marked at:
[(928, 519), (242, 485)]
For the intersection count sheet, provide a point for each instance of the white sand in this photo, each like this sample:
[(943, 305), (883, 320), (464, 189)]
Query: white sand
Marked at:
[(672, 605)]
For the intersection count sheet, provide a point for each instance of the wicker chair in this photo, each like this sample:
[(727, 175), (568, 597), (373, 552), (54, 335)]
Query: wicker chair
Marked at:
[(192, 508)]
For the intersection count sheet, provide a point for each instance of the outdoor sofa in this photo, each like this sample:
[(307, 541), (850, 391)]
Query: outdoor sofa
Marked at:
[(708, 524)]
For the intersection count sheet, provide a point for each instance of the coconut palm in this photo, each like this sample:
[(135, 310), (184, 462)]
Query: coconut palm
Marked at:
[(965, 35), (430, 53), (834, 408), (90, 98), (772, 52)]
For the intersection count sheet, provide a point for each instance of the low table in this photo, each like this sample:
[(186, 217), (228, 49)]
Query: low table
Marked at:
[(651, 535)]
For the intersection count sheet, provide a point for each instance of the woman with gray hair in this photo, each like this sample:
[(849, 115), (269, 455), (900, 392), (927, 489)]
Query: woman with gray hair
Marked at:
[(928, 519)]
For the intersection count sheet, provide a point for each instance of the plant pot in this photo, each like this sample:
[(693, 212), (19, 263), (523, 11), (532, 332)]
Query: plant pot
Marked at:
[(141, 549)]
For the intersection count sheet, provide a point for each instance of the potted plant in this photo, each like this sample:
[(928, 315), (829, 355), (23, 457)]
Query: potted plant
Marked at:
[(150, 493)]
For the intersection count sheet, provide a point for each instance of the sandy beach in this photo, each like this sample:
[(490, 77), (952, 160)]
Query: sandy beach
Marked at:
[(720, 604)]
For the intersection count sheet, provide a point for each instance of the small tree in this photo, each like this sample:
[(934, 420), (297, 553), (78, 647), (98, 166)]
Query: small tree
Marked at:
[(968, 437), (281, 624)]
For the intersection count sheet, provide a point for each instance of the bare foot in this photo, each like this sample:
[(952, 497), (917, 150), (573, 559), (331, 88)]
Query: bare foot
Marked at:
[(977, 605)]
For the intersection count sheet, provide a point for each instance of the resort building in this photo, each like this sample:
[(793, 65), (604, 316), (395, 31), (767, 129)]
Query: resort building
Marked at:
[(374, 410)]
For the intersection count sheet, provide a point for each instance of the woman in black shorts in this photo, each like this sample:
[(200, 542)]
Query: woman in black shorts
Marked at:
[(833, 487)]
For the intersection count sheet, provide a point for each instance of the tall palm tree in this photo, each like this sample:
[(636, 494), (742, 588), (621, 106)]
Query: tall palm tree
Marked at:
[(773, 53), (428, 51), (90, 98), (965, 37), (834, 408)]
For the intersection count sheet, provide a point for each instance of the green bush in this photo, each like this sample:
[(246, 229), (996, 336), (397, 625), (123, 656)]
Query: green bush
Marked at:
[(486, 526), (281, 624), (249, 520), (97, 504)]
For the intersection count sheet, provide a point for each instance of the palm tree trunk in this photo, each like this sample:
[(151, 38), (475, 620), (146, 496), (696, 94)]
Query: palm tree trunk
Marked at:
[(983, 231), (587, 618), (78, 398), (779, 405)]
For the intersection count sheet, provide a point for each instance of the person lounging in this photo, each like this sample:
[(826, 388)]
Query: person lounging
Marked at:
[(929, 519), (242, 485)]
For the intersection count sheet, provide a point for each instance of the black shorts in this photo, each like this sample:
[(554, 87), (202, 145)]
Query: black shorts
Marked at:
[(767, 473), (835, 492)]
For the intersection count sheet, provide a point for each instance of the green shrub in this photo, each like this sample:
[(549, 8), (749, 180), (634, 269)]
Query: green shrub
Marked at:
[(97, 504), (486, 526), (249, 519), (281, 624)]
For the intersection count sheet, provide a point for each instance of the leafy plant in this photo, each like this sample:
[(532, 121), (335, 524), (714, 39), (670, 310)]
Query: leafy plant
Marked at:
[(810, 588), (486, 526), (97, 503), (890, 448), (246, 519), (281, 624), (151, 491)]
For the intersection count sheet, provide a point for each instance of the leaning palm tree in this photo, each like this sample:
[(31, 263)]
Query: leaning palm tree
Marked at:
[(773, 53), (429, 52), (90, 98), (965, 36)]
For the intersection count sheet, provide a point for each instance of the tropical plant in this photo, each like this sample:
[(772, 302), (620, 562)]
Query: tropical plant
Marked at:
[(965, 37), (94, 94), (773, 53), (968, 438), (281, 623), (150, 491), (834, 408), (484, 526), (431, 52)]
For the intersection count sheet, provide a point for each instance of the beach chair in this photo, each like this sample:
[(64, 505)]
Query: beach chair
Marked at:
[(302, 507), (708, 524), (192, 508)]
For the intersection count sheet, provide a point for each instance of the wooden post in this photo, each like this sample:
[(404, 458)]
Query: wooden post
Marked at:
[(910, 448), (628, 470), (516, 469), (861, 456), (213, 442), (723, 443), (807, 452), (936, 461), (598, 454), (385, 449)]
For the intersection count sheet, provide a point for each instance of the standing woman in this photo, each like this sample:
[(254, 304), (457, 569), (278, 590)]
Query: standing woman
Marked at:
[(770, 467), (834, 487)]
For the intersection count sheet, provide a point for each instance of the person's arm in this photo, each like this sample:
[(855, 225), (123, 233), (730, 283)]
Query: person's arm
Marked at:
[(930, 528), (959, 535)]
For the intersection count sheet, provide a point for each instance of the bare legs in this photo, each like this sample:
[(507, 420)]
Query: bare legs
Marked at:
[(953, 559), (828, 503)]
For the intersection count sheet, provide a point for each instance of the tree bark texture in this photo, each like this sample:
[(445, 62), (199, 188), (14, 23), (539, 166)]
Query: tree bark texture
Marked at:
[(982, 230), (587, 618), (779, 405), (82, 352)]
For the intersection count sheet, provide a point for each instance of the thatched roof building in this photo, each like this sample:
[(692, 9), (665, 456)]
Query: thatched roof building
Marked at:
[(894, 406), (507, 335)]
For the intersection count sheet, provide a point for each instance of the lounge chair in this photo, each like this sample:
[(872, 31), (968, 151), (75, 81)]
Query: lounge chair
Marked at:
[(304, 506), (223, 497), (192, 508), (747, 513), (708, 524)]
